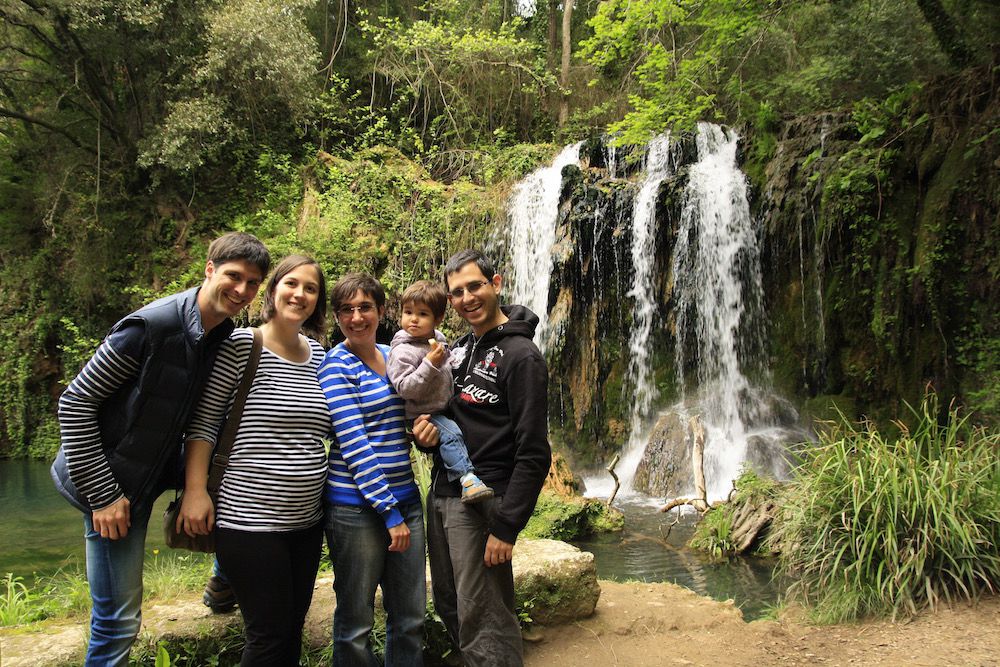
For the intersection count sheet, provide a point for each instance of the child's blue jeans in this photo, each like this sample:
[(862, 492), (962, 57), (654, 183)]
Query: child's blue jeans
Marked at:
[(452, 448)]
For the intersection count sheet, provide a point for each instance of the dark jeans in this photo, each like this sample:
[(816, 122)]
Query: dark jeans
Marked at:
[(272, 575), (359, 551), (475, 602)]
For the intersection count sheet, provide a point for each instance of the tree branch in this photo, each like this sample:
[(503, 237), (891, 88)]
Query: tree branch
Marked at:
[(9, 113)]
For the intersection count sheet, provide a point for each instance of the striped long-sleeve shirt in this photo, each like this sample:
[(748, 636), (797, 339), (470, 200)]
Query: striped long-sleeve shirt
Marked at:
[(113, 365), (274, 479), (370, 458)]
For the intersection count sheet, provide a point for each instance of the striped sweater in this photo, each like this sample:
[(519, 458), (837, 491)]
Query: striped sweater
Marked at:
[(274, 479), (112, 366), (370, 457)]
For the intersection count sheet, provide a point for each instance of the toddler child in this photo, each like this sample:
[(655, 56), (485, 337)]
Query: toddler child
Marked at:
[(419, 370)]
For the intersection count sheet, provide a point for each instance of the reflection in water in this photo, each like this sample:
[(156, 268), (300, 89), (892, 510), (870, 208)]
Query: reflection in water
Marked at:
[(640, 553), (39, 531)]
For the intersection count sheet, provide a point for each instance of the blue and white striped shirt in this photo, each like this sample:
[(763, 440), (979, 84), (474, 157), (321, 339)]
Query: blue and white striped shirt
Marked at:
[(370, 457)]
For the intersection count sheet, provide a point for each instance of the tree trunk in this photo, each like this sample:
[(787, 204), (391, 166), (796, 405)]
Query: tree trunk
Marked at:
[(553, 37), (946, 31), (567, 46)]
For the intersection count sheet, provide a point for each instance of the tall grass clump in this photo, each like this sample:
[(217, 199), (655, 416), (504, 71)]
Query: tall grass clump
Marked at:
[(16, 603), (876, 526)]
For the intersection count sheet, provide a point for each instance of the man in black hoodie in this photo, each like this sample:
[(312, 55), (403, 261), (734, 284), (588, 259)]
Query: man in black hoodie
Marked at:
[(500, 403)]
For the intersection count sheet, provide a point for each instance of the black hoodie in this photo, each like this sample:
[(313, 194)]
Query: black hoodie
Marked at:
[(501, 405)]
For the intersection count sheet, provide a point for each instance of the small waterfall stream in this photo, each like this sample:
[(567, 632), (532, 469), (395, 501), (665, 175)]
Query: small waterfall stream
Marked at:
[(533, 212), (659, 164)]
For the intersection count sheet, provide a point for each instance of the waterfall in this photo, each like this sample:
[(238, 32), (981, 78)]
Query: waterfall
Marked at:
[(716, 298), (611, 153), (533, 213), (659, 164), (716, 267)]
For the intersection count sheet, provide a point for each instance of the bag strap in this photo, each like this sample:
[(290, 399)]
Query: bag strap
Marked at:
[(225, 444)]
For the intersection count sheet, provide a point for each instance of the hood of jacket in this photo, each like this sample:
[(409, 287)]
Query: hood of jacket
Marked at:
[(521, 321)]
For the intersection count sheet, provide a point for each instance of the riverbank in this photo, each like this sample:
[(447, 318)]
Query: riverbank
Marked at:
[(635, 625), (640, 625)]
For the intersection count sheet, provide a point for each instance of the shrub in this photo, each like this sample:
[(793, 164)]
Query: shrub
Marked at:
[(874, 526), (714, 532)]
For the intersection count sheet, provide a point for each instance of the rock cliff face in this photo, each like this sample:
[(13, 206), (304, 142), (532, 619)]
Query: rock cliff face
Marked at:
[(880, 248), (591, 310)]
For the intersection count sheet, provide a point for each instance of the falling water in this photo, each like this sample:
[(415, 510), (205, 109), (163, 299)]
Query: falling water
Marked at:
[(718, 289), (534, 211), (611, 152)]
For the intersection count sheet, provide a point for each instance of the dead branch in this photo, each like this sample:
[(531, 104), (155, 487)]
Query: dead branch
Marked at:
[(700, 500), (611, 469), (745, 532)]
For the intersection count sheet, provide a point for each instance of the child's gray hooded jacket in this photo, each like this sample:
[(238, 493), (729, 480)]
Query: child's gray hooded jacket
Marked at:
[(425, 388)]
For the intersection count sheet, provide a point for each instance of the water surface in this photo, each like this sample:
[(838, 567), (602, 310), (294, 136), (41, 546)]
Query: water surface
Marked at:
[(39, 531), (639, 553)]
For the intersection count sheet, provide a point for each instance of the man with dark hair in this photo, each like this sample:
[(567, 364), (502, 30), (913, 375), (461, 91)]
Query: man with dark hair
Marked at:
[(500, 404), (122, 420)]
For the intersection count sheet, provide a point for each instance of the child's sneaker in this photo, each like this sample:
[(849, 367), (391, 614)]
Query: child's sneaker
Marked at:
[(473, 489)]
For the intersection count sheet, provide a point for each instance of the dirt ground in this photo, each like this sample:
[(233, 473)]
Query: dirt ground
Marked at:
[(661, 624), (635, 625)]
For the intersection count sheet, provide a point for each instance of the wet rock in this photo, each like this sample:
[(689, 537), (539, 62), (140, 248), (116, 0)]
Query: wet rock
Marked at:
[(665, 467), (561, 480), (768, 457)]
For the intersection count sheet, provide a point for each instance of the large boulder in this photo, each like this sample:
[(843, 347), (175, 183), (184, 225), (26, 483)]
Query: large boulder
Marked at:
[(665, 468), (554, 582), (775, 454)]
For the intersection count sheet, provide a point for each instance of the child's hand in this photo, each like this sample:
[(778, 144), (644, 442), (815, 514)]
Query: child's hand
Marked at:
[(436, 355)]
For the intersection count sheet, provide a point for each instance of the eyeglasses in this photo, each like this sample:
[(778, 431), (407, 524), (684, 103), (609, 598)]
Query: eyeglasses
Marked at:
[(348, 311), (471, 288)]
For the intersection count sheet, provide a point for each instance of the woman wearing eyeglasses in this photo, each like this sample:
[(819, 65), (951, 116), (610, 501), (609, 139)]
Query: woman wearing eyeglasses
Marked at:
[(374, 521)]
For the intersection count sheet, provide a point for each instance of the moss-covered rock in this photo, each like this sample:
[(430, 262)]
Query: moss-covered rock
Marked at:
[(562, 518)]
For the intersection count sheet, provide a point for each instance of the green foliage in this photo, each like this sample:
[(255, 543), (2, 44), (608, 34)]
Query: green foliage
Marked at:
[(874, 526), (76, 350), (162, 656), (207, 649), (167, 576), (682, 63), (682, 59), (980, 353), (713, 533), (23, 404), (16, 605), (466, 83)]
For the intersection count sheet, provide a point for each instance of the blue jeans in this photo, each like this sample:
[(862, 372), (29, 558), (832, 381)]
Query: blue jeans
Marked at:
[(359, 551), (114, 572), (451, 446)]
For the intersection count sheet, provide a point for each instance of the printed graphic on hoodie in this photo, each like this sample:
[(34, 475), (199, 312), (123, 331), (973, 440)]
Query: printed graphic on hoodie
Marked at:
[(487, 368), (470, 393)]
